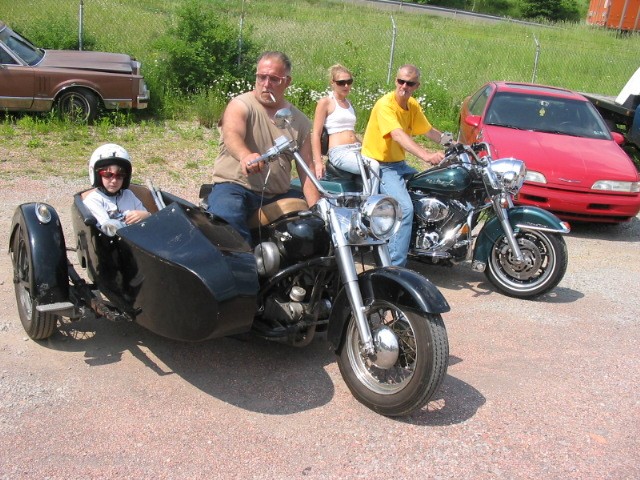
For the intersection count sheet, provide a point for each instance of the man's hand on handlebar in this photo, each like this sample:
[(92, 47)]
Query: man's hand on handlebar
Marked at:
[(249, 169)]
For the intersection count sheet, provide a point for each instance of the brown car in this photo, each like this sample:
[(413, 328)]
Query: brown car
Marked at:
[(76, 83)]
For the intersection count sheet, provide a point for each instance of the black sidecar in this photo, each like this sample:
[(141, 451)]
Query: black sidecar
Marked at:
[(179, 273)]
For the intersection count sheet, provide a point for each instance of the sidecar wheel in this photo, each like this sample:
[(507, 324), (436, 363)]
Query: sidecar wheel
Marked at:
[(416, 373), (38, 327), (545, 264)]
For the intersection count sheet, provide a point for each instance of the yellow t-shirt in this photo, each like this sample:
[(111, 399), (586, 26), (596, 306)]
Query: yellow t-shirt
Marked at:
[(387, 116)]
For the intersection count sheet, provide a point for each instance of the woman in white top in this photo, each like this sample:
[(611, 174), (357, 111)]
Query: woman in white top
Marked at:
[(336, 114)]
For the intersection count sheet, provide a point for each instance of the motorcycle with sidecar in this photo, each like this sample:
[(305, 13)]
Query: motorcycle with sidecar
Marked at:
[(185, 274)]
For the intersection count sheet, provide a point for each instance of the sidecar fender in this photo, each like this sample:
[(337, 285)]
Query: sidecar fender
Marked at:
[(531, 218), (47, 249), (400, 286)]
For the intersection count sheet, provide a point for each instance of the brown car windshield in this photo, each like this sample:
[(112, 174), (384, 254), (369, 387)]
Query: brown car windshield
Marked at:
[(21, 47)]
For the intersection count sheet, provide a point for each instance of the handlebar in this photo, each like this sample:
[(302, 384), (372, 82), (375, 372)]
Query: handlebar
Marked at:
[(280, 145)]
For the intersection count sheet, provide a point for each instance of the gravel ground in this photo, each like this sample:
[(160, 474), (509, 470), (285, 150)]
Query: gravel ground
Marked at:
[(536, 389)]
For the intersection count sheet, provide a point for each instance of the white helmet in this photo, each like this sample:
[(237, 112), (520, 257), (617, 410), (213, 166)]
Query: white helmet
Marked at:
[(109, 154)]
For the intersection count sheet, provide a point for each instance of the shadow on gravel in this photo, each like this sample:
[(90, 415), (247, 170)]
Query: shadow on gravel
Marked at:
[(456, 401), (620, 232), (461, 277), (244, 371)]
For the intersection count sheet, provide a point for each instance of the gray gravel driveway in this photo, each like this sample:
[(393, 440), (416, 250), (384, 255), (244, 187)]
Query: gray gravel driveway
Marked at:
[(536, 389)]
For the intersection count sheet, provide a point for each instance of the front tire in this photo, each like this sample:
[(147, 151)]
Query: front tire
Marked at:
[(545, 263), (38, 326), (78, 105), (416, 374)]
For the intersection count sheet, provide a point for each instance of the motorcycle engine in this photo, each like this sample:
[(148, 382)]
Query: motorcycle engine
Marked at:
[(430, 209), (291, 240), (437, 222)]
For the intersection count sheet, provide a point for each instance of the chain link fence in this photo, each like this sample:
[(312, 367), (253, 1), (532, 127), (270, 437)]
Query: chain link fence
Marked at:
[(372, 45)]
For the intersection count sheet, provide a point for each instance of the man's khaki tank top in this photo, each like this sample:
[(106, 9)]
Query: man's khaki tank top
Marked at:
[(260, 135)]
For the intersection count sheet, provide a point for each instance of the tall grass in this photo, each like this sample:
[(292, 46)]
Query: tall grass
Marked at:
[(455, 55)]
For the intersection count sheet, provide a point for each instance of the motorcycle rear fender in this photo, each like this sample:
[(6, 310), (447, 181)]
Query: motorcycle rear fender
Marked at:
[(532, 218), (48, 252), (400, 286)]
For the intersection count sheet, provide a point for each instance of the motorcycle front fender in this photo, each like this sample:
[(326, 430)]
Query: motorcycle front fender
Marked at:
[(48, 252), (531, 218), (400, 286)]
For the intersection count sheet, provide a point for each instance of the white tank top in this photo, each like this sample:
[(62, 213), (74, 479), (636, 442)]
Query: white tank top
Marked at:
[(340, 119)]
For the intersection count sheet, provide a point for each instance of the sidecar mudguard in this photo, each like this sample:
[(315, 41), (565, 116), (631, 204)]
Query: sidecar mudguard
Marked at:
[(400, 286), (48, 252), (532, 218)]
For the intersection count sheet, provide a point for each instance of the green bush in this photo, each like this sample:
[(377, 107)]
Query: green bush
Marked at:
[(58, 33), (201, 48)]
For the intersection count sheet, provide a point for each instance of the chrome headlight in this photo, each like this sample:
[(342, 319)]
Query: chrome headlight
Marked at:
[(381, 216), (510, 172), (43, 214)]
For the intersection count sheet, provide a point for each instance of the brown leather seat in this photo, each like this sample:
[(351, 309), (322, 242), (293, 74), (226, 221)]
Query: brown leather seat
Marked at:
[(273, 211)]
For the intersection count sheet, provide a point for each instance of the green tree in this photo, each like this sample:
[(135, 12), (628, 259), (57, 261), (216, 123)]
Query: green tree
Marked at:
[(553, 10), (203, 49)]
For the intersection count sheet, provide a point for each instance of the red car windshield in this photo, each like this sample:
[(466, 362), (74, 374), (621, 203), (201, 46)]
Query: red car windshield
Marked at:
[(542, 113)]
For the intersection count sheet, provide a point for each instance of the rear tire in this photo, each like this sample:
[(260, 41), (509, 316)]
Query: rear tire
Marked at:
[(37, 326), (418, 371), (78, 105)]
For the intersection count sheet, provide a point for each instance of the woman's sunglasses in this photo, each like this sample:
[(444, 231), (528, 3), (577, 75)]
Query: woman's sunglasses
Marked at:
[(109, 175), (342, 83), (406, 82)]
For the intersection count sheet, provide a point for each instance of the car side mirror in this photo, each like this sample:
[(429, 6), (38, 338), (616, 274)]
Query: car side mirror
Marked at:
[(472, 120), (617, 137)]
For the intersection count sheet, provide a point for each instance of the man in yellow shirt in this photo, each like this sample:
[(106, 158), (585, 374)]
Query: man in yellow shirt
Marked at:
[(394, 120)]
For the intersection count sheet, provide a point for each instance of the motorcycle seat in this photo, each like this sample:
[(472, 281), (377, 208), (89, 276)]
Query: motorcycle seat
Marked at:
[(271, 212)]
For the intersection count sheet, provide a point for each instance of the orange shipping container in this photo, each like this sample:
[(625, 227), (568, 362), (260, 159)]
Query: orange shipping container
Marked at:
[(618, 14)]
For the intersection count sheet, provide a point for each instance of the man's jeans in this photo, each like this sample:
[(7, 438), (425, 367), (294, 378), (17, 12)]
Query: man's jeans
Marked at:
[(236, 204), (393, 183)]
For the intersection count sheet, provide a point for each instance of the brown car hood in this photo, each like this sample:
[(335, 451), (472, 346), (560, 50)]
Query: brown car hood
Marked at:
[(100, 61)]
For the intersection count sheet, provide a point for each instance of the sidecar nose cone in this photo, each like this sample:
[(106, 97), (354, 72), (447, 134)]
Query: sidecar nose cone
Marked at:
[(387, 348)]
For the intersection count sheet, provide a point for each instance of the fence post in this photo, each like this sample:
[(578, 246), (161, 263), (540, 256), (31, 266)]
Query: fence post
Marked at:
[(240, 36), (535, 62), (393, 47), (80, 21)]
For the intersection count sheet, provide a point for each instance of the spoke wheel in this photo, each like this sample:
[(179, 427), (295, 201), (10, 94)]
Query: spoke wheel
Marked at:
[(418, 366), (544, 265), (38, 326)]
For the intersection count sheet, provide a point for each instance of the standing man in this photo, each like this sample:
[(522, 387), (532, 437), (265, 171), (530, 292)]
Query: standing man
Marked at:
[(248, 131), (395, 118)]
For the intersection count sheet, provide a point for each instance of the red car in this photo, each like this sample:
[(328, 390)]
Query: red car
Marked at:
[(575, 166)]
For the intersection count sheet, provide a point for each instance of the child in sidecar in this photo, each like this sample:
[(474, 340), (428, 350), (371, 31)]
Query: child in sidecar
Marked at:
[(111, 202)]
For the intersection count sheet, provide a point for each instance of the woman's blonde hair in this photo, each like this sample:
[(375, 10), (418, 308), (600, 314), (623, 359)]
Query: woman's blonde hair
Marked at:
[(337, 68)]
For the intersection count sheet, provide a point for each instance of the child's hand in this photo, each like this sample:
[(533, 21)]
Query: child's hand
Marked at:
[(134, 216)]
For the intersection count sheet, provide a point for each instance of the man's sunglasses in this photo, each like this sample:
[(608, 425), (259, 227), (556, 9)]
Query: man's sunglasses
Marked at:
[(273, 79), (342, 83), (406, 82), (109, 175)]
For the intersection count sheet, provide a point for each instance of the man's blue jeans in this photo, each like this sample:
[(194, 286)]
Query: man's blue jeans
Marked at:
[(236, 204), (393, 183)]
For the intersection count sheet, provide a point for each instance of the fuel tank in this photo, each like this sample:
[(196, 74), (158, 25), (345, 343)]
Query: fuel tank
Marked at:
[(451, 181)]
